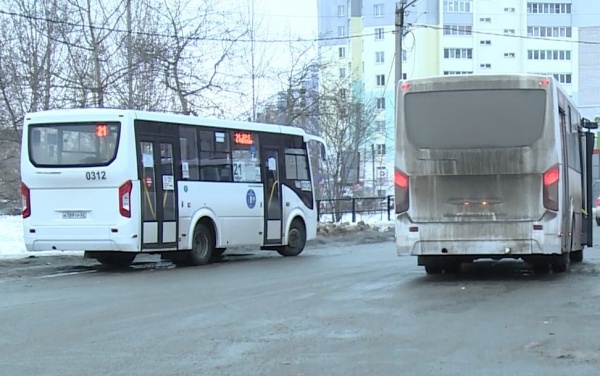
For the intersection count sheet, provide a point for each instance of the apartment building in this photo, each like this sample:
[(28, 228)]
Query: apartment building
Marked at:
[(449, 37)]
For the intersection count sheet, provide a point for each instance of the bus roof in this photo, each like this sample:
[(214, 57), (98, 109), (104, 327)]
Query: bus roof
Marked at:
[(480, 77), (64, 115)]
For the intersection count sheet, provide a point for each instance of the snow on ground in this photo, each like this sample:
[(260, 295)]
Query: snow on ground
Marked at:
[(11, 236), (12, 246), (11, 240), (372, 220)]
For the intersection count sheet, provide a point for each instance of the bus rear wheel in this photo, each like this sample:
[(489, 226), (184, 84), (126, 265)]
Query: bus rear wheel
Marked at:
[(203, 245), (116, 259), (576, 256), (296, 240)]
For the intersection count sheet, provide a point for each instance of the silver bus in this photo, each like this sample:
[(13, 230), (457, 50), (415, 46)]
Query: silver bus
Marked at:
[(491, 166)]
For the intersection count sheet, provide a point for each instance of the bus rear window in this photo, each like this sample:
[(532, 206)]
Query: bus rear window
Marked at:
[(73, 144), (464, 119)]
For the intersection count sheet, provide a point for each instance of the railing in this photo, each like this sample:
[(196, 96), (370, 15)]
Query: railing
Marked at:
[(333, 210)]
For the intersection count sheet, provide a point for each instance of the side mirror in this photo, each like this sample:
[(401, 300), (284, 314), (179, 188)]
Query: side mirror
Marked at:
[(587, 124)]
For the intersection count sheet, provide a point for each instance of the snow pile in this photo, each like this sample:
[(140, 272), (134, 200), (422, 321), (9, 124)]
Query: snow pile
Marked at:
[(327, 229), (11, 236)]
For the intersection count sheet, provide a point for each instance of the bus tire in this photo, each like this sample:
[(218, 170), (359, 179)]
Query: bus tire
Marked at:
[(559, 268), (118, 260), (540, 268), (203, 245), (433, 269), (598, 221), (560, 264), (296, 240), (453, 267), (576, 256)]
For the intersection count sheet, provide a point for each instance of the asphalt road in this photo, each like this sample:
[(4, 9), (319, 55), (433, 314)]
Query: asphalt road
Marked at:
[(347, 306)]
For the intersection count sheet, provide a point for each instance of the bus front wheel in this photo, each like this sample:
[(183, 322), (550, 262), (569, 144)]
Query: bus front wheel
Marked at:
[(296, 240), (202, 246)]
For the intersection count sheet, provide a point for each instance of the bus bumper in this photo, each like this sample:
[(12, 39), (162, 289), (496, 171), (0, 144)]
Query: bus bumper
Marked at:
[(513, 239), (89, 238)]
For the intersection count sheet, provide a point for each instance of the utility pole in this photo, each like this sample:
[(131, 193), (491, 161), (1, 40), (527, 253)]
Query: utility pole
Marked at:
[(399, 22), (129, 58)]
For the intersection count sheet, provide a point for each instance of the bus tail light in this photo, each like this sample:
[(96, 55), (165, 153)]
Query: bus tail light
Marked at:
[(125, 199), (551, 180), (401, 191), (25, 200)]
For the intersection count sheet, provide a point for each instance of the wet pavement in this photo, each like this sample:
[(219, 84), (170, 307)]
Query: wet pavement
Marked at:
[(347, 306)]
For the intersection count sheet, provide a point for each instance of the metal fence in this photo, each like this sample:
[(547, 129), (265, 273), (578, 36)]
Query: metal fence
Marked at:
[(333, 210)]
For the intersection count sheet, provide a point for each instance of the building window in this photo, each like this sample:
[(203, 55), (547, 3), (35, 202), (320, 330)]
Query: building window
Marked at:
[(485, 42), (379, 57), (341, 31), (453, 6), (380, 149), (378, 10), (549, 8), (456, 73), (509, 10), (554, 32), (485, 20), (509, 54), (548, 54), (509, 31), (563, 78), (458, 53), (380, 103), (379, 33), (380, 126), (341, 11), (380, 78), (342, 72), (485, 66), (342, 52), (404, 76), (458, 30)]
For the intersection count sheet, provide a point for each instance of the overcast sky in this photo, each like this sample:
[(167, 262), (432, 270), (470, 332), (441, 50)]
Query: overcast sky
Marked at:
[(297, 16)]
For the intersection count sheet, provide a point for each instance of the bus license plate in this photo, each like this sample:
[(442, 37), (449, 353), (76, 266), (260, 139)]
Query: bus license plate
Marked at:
[(74, 215)]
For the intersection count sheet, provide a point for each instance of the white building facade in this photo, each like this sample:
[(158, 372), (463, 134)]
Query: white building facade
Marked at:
[(443, 37)]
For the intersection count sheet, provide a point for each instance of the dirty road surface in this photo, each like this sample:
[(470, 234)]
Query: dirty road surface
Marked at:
[(347, 306)]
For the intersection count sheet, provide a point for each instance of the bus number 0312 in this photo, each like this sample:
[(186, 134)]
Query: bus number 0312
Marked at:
[(95, 175)]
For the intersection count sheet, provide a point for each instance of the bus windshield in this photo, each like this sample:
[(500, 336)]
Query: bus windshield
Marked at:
[(73, 145), (463, 119)]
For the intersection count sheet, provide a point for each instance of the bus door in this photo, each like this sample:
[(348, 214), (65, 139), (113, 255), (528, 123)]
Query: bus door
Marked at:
[(587, 143), (272, 192), (158, 166)]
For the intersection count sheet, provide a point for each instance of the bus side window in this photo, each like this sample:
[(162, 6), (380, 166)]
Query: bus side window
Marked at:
[(215, 155), (189, 153)]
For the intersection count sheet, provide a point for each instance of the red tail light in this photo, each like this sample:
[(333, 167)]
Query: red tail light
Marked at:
[(551, 181), (598, 201), (125, 199), (401, 191), (25, 201)]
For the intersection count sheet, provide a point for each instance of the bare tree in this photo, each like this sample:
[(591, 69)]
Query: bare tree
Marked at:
[(29, 63), (328, 108), (198, 40)]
